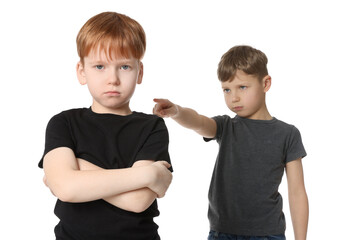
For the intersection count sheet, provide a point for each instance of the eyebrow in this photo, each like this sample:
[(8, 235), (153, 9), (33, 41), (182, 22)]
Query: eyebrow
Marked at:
[(242, 83), (98, 62), (125, 61), (120, 62)]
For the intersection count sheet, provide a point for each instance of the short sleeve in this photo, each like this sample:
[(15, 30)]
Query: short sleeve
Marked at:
[(220, 120), (295, 147), (57, 135), (155, 146)]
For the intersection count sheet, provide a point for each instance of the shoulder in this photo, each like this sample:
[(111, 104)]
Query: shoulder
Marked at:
[(222, 118), (224, 122), (66, 116), (148, 122), (290, 132), (293, 142), (70, 113), (287, 127), (148, 118)]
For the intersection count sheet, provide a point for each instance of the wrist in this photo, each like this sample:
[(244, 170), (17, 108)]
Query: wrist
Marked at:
[(177, 111), (149, 175)]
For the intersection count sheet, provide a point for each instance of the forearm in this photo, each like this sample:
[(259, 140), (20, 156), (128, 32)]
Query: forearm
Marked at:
[(189, 118), (134, 201), (298, 199), (299, 208), (69, 184), (84, 186)]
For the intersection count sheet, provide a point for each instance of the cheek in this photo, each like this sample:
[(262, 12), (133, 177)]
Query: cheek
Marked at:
[(95, 86), (131, 80), (254, 98), (228, 100)]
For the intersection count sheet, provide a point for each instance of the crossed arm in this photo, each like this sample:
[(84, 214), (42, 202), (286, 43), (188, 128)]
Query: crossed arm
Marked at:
[(133, 189), (136, 200)]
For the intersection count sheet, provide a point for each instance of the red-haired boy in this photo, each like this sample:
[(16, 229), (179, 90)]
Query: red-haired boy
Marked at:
[(107, 164)]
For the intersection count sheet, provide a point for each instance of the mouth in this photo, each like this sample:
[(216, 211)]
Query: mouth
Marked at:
[(237, 108), (112, 93)]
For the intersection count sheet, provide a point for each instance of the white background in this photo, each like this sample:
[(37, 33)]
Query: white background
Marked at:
[(305, 44)]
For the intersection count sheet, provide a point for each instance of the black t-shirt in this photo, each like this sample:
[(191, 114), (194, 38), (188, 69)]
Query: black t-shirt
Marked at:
[(243, 194), (110, 142)]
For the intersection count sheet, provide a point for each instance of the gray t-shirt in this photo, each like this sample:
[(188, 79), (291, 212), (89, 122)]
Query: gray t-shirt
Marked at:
[(243, 194)]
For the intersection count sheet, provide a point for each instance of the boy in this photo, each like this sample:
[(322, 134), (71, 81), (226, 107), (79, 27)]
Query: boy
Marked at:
[(102, 162), (255, 148)]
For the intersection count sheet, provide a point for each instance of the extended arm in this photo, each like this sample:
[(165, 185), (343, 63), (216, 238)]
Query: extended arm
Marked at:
[(186, 117), (135, 201), (71, 185), (298, 199)]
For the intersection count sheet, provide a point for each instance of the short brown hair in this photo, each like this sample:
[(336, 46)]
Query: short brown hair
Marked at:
[(244, 58), (112, 33)]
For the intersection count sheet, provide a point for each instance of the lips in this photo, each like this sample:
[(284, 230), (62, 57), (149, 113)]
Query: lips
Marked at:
[(112, 93), (238, 108)]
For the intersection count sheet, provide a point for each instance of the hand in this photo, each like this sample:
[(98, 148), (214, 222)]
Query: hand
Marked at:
[(164, 108), (162, 178)]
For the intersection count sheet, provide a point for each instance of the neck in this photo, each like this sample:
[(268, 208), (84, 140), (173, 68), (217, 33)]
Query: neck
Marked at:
[(262, 114), (123, 110)]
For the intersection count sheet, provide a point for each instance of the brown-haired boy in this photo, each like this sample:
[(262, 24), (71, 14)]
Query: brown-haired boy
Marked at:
[(107, 164), (254, 150)]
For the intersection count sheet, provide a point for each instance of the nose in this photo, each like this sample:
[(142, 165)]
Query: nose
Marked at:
[(235, 98), (114, 79)]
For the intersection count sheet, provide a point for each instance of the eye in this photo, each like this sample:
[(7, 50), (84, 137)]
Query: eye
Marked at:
[(99, 67), (243, 87), (226, 90), (125, 67)]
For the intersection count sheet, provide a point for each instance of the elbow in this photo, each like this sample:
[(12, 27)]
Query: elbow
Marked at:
[(299, 198), (133, 207), (140, 203), (64, 189), (138, 208), (65, 197), (132, 201), (65, 194)]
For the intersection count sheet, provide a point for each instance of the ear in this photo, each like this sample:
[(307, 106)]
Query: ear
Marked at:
[(267, 82), (81, 73), (140, 74)]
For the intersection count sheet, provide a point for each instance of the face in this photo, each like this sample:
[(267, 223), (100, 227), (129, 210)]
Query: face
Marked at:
[(245, 96), (111, 82)]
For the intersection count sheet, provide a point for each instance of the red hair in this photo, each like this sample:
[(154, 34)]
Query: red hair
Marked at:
[(115, 34)]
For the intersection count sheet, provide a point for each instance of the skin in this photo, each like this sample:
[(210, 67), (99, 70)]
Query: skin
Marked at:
[(111, 82), (245, 96)]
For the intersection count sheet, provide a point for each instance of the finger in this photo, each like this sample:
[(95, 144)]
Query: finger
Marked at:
[(163, 113), (162, 101), (158, 113), (166, 164), (157, 100), (157, 108)]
